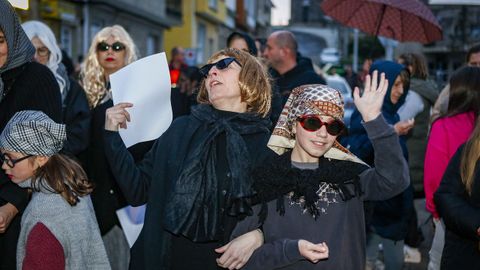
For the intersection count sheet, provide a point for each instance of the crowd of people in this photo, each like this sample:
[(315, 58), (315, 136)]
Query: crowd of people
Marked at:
[(258, 170)]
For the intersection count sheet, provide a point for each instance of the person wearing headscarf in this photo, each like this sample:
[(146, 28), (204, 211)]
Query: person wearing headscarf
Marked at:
[(388, 220), (59, 229), (242, 41), (194, 177), (24, 84), (76, 113), (313, 190)]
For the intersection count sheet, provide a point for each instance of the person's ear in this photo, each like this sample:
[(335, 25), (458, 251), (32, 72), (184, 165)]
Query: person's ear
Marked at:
[(41, 160)]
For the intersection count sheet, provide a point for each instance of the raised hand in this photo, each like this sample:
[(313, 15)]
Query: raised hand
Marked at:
[(370, 103), (313, 252), (117, 116)]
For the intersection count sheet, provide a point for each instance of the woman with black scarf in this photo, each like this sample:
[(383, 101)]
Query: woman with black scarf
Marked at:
[(197, 171), (24, 85)]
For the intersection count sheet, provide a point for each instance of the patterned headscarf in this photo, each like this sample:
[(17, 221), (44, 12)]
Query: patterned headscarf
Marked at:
[(33, 133), (20, 49), (315, 99)]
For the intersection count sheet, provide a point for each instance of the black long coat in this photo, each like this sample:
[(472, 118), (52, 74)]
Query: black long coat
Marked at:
[(461, 214), (153, 179)]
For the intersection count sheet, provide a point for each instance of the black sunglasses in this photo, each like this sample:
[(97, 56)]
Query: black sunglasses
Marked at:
[(116, 47), (220, 65), (313, 123), (4, 158)]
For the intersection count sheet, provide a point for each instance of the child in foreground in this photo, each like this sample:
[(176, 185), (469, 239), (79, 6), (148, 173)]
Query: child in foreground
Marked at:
[(311, 194), (58, 228)]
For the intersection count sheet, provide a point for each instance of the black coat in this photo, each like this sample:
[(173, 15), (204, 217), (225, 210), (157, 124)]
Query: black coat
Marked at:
[(461, 214), (31, 86), (153, 179), (76, 116), (107, 197)]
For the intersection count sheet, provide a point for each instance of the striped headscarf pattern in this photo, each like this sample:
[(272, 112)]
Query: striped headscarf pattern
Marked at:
[(20, 49), (316, 99)]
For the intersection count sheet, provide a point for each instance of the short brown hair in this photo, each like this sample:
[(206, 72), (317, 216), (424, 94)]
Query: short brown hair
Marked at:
[(417, 62), (254, 82)]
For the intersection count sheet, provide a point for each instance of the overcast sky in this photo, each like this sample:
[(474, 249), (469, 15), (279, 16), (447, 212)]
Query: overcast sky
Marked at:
[(281, 12)]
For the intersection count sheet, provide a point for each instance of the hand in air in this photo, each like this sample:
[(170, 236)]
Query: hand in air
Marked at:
[(370, 103)]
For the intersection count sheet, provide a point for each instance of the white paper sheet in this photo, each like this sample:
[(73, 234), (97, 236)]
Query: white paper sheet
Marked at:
[(146, 84), (131, 219)]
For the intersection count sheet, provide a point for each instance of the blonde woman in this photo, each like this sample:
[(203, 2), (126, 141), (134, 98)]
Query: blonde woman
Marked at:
[(112, 48), (458, 203)]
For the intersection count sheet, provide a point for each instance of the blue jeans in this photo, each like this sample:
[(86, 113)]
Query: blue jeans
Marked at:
[(393, 256)]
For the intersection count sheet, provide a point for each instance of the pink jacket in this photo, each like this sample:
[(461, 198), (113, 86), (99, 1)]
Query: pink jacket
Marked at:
[(446, 135)]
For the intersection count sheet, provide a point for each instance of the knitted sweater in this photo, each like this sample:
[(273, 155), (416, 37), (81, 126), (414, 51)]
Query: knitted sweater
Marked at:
[(74, 229)]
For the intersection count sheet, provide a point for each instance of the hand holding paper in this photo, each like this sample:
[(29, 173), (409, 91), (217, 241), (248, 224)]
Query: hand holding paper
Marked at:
[(117, 116), (141, 93)]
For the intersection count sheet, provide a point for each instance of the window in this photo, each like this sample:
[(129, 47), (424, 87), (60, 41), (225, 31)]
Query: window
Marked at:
[(66, 35), (201, 39), (152, 45), (213, 4)]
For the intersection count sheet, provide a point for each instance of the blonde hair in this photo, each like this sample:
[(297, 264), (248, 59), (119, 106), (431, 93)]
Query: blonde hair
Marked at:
[(92, 74), (254, 82), (470, 157)]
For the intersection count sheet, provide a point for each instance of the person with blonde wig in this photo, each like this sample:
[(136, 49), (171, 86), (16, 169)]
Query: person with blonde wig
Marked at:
[(112, 48), (458, 202), (196, 176)]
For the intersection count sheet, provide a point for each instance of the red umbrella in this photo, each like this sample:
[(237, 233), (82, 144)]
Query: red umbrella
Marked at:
[(402, 20)]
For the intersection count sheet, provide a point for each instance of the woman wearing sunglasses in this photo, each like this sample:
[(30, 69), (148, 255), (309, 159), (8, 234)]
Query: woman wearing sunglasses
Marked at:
[(24, 84), (194, 177), (112, 48), (76, 113), (311, 194)]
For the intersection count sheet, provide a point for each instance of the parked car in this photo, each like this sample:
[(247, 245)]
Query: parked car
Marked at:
[(330, 55), (339, 83)]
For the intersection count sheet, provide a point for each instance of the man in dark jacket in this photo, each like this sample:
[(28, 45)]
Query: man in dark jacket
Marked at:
[(287, 67)]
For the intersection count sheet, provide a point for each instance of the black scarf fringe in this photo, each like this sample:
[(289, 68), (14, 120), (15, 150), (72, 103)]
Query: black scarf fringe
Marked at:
[(278, 178)]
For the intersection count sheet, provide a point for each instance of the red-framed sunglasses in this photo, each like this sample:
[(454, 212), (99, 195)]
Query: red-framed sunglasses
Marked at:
[(312, 123)]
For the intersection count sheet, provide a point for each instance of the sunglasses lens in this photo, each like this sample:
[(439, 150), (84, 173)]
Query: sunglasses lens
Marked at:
[(117, 46), (334, 128), (102, 46), (205, 69), (224, 63), (312, 123)]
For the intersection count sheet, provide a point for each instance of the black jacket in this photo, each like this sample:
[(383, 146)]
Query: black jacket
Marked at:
[(31, 86), (461, 214), (107, 197), (76, 116), (152, 180), (301, 74)]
